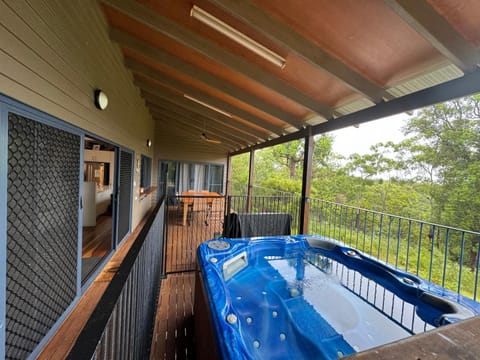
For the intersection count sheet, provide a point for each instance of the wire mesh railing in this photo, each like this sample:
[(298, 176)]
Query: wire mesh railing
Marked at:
[(443, 255)]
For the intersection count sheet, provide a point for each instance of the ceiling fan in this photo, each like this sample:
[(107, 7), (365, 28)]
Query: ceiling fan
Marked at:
[(206, 138)]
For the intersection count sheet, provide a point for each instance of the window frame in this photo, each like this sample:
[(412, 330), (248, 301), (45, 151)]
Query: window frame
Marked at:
[(145, 173)]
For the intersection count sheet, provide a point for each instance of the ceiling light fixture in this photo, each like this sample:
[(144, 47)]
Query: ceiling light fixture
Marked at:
[(211, 107), (235, 35)]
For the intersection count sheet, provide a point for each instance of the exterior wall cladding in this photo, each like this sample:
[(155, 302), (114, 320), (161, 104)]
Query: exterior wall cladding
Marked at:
[(53, 56)]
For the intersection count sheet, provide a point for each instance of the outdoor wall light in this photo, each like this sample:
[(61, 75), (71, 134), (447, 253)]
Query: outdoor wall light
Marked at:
[(101, 99), (149, 143)]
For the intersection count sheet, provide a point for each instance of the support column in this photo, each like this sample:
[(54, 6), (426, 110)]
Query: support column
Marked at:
[(250, 181), (228, 176), (306, 182)]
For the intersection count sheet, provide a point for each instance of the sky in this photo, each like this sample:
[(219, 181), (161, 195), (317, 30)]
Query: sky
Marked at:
[(358, 140)]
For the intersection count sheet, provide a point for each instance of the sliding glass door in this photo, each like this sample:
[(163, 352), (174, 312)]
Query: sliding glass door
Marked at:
[(53, 172), (44, 166)]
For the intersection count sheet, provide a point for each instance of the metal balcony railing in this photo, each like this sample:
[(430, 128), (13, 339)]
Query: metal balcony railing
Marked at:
[(281, 203), (443, 255), (193, 219), (190, 220), (122, 322)]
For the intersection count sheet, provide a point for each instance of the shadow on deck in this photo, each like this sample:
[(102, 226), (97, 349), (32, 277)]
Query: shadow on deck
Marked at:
[(173, 336)]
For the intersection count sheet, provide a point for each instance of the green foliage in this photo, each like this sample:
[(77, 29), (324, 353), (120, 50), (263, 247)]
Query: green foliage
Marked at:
[(240, 165), (401, 244), (433, 175)]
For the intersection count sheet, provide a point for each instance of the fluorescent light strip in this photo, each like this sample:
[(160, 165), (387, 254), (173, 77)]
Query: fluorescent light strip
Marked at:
[(235, 35), (207, 105)]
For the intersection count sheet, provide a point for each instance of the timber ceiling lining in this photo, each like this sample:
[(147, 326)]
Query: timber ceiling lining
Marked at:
[(463, 15), (340, 57)]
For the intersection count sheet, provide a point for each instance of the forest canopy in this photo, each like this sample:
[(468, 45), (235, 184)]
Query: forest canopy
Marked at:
[(433, 174)]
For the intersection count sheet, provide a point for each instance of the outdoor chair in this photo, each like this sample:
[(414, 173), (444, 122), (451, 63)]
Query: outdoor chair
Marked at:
[(199, 210), (216, 211)]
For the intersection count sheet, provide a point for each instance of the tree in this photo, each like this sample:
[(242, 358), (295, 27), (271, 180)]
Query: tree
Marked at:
[(444, 151), (239, 176), (290, 155), (445, 148)]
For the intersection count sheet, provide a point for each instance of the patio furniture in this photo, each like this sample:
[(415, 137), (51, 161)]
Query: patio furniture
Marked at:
[(199, 208), (188, 200)]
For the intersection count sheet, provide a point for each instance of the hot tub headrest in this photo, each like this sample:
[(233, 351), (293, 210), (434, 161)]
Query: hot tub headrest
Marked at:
[(452, 312), (321, 243)]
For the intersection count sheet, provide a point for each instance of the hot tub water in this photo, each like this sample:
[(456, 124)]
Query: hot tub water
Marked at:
[(282, 298)]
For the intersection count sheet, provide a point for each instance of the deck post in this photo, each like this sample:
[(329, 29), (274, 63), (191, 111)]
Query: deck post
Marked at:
[(228, 176), (306, 182), (250, 181)]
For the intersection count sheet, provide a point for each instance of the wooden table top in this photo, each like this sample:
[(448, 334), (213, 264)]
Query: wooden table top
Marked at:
[(188, 196)]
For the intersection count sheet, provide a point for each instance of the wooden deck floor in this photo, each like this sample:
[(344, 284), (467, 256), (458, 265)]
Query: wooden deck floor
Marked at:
[(173, 336), (182, 240)]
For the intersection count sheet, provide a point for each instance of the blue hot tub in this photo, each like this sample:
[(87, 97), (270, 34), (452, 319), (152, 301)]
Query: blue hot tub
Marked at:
[(304, 297)]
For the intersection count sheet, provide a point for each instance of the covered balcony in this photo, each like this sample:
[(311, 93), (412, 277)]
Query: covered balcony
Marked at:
[(119, 120)]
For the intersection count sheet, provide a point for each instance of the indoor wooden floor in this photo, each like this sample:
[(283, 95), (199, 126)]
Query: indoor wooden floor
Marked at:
[(97, 240)]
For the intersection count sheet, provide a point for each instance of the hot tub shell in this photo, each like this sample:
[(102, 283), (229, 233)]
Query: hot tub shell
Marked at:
[(224, 328)]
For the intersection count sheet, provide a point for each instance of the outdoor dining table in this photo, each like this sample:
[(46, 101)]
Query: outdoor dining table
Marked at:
[(188, 197)]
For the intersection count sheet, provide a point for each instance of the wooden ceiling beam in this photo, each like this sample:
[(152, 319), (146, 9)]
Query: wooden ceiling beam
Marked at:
[(218, 130), (212, 122), (178, 109), (189, 134), (464, 86), (150, 52), (276, 31), (188, 38), (438, 32), (180, 100), (151, 93), (148, 72), (199, 123), (194, 130), (190, 140)]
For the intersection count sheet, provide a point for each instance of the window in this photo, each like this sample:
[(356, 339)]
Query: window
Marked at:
[(183, 176), (215, 178), (145, 174)]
